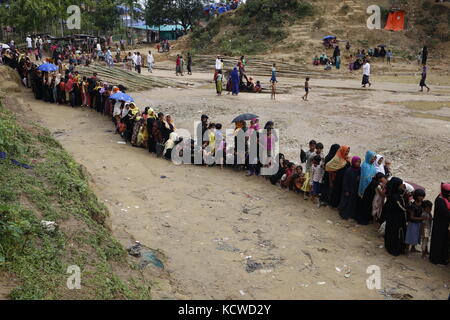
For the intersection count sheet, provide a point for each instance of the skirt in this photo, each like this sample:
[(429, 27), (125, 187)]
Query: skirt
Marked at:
[(365, 79), (413, 233)]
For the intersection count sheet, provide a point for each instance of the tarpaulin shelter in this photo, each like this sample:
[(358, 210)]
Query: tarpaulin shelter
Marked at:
[(395, 21)]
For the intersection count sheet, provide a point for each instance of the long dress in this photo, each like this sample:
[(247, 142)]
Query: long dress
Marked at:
[(349, 203), (235, 81), (365, 209), (439, 233), (394, 237), (336, 186)]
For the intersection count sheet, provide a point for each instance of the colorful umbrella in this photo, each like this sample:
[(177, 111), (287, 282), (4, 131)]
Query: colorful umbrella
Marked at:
[(47, 67), (121, 97), (245, 117)]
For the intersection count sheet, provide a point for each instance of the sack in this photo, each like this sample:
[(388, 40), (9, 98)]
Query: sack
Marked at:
[(302, 156)]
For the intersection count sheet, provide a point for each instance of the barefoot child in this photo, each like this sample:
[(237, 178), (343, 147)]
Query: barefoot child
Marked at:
[(307, 87), (426, 226), (317, 171)]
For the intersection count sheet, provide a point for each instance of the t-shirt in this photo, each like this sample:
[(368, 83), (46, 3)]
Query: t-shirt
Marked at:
[(366, 69), (138, 60), (99, 47), (317, 173), (28, 42), (150, 58), (218, 64)]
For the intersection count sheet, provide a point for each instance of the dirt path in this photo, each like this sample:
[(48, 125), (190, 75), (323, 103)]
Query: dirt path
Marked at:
[(227, 236)]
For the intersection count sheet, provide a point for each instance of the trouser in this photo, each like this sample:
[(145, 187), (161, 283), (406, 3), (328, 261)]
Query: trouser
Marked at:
[(150, 67), (138, 68)]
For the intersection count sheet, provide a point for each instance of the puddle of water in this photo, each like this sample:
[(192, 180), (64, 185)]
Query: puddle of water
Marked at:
[(429, 116), (425, 105)]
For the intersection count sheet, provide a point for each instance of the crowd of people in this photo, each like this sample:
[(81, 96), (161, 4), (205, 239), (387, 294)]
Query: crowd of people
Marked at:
[(234, 79), (365, 190)]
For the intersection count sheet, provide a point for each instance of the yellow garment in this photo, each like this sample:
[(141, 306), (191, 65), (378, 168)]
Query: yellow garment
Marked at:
[(307, 184), (335, 164), (212, 140), (142, 136)]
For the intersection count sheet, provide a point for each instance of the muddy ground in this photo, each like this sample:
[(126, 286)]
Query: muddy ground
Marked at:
[(227, 236)]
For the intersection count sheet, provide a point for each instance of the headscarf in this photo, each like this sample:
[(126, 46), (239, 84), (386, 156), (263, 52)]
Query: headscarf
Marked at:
[(151, 113), (445, 192), (339, 161), (379, 167), (334, 148), (355, 159), (368, 171), (392, 188)]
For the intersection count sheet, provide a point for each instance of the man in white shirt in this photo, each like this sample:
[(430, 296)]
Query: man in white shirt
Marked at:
[(150, 61), (138, 62), (29, 43), (133, 58), (218, 64), (366, 74)]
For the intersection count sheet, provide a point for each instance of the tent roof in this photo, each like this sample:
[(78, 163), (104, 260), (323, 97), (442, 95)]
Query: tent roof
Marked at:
[(165, 27)]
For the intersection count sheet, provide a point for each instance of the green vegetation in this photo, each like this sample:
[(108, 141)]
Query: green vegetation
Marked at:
[(251, 29), (56, 189), (435, 22)]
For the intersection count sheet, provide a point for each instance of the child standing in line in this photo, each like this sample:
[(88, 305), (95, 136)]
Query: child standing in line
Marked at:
[(317, 171), (307, 87), (427, 205)]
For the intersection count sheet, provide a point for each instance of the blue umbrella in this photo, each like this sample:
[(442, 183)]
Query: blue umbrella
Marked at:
[(328, 37), (121, 97), (47, 67)]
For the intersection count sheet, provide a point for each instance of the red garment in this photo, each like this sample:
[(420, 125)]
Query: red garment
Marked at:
[(69, 85), (178, 61)]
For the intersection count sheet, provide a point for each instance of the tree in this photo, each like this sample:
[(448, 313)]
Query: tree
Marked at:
[(187, 12)]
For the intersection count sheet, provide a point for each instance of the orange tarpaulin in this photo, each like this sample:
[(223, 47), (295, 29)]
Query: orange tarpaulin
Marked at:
[(395, 21)]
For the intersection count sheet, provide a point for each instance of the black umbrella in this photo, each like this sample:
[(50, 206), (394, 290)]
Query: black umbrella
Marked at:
[(382, 45), (245, 117)]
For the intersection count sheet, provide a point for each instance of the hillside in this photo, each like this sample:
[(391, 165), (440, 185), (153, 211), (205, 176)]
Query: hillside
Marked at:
[(285, 27), (33, 259)]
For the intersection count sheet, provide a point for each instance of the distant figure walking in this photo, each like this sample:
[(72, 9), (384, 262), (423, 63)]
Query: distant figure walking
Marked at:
[(424, 55), (366, 74), (150, 61), (307, 87), (189, 64), (423, 78)]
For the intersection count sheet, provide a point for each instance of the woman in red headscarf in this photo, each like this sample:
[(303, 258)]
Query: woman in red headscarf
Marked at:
[(440, 229)]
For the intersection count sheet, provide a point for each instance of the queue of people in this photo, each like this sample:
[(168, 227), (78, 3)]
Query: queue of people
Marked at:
[(364, 190)]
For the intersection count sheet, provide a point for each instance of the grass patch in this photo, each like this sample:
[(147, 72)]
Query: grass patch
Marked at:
[(254, 27), (55, 189)]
